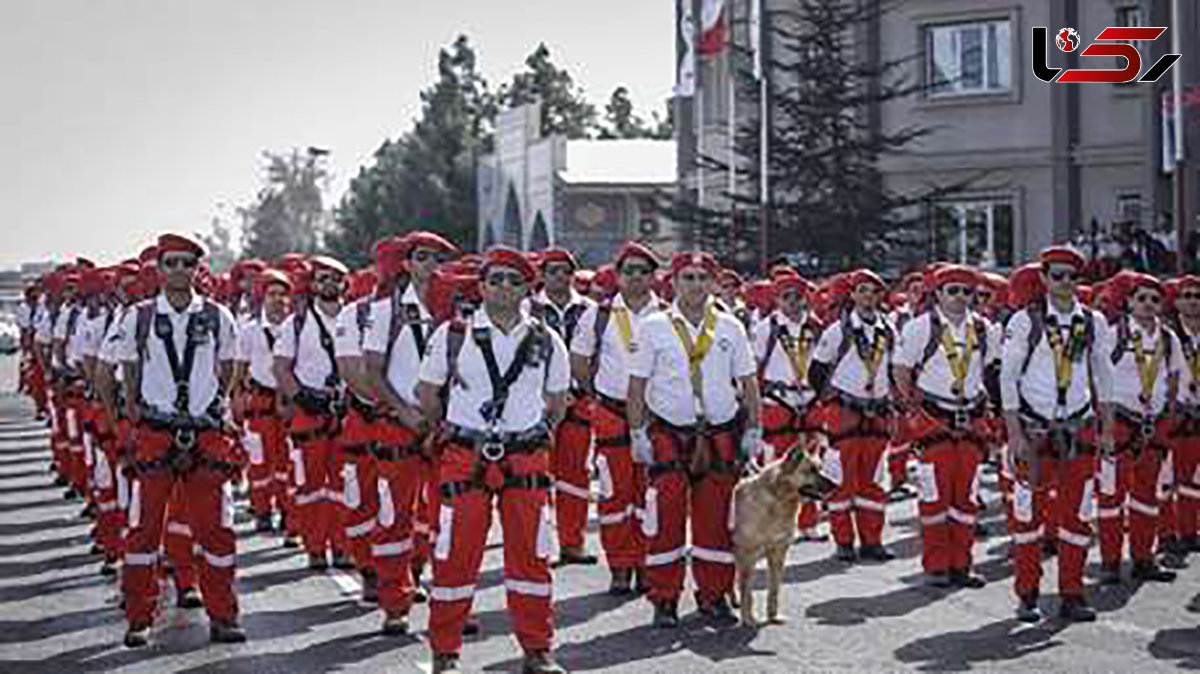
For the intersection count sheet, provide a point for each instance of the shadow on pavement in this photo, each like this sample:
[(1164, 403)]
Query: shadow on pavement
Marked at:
[(1182, 644), (294, 621), (1000, 641), (857, 610), (643, 642)]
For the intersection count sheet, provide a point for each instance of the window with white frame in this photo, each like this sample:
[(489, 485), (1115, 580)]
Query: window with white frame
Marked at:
[(968, 58), (978, 232)]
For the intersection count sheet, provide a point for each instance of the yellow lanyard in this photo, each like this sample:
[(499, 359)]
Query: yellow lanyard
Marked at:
[(1147, 367), (797, 351), (959, 361), (1063, 366), (624, 326), (697, 350)]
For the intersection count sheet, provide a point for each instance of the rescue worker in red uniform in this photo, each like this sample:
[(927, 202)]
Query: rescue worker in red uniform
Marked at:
[(1051, 365), (850, 371), (178, 351), (784, 342), (256, 401), (1186, 444), (605, 341), (1146, 362), (508, 377), (693, 418), (307, 374), (944, 361), (398, 339), (561, 308)]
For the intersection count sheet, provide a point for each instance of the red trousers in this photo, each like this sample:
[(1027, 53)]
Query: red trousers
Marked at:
[(266, 444), (622, 490), (34, 383), (1070, 511), (360, 490), (205, 498), (73, 415), (948, 482), (109, 484), (1187, 485), (1133, 478), (464, 520), (393, 542), (672, 498), (569, 466), (781, 433), (179, 541), (856, 463), (318, 476)]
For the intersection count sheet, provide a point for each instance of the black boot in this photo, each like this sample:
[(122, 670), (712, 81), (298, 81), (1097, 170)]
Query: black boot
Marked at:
[(1027, 609), (225, 632), (1110, 574), (1148, 571), (964, 578), (875, 553), (1076, 610), (666, 615), (719, 613), (846, 553)]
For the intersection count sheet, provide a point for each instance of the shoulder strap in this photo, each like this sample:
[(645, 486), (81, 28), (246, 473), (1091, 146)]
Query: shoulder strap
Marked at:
[(326, 341), (935, 341), (145, 314), (1037, 328), (270, 337), (493, 410), (571, 320), (772, 342), (603, 314), (456, 336), (844, 345), (1123, 337), (981, 336), (362, 312)]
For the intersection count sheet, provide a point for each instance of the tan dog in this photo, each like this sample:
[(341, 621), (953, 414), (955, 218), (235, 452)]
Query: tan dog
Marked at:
[(765, 510)]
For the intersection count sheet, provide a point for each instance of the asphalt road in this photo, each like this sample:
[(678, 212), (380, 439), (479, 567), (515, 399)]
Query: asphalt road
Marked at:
[(57, 614)]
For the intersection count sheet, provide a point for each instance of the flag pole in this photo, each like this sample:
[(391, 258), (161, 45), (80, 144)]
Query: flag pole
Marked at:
[(764, 184)]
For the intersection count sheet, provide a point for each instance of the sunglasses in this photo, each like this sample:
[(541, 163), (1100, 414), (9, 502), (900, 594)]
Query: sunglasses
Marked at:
[(693, 277), (557, 270), (790, 297), (187, 262), (867, 290), (427, 255), (1148, 298), (955, 291), (1189, 296), (636, 270), (328, 278), (514, 280), (1061, 275)]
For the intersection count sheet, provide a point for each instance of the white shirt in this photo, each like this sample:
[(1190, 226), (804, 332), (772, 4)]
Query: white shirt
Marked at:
[(24, 316), (612, 373), (1126, 382), (312, 365), (936, 378), (1189, 386), (158, 382), (44, 325), (110, 347), (70, 329), (526, 405), (404, 369), (349, 335), (91, 335), (1037, 385), (255, 350), (850, 376), (779, 367), (556, 317), (662, 360)]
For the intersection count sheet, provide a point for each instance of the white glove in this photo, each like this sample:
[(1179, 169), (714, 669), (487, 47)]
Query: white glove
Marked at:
[(751, 448), (642, 448)]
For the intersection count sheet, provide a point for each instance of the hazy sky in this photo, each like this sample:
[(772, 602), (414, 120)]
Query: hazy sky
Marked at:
[(121, 118)]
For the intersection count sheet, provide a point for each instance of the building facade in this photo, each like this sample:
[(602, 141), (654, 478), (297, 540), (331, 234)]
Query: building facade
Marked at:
[(1045, 161)]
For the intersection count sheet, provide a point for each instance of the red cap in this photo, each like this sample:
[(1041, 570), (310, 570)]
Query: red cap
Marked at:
[(558, 255), (1144, 281), (1188, 280), (866, 276), (995, 282), (1063, 255), (683, 260), (790, 280), (180, 243), (635, 249), (92, 281), (389, 256), (605, 279), (328, 263), (362, 282), (247, 269), (82, 263), (1025, 285), (955, 274), (148, 254), (730, 277), (270, 276), (501, 256), (421, 239)]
